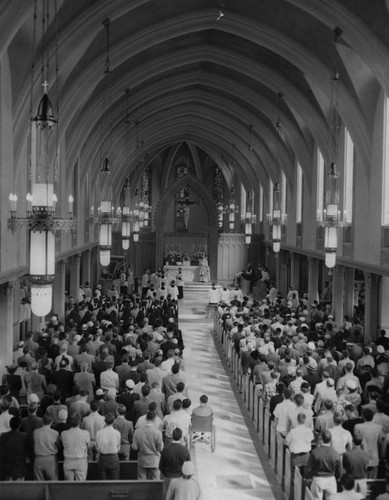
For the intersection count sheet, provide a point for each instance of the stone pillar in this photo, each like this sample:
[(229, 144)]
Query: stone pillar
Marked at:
[(86, 266), (59, 289), (95, 266), (295, 271), (371, 306), (349, 291), (337, 294), (213, 242), (6, 325), (75, 261), (159, 246), (313, 279), (384, 301)]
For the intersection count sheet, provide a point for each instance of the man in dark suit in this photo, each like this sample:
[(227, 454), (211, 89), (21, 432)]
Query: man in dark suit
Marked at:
[(64, 379), (172, 458)]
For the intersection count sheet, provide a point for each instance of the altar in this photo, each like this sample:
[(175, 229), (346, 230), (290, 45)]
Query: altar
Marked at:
[(189, 273)]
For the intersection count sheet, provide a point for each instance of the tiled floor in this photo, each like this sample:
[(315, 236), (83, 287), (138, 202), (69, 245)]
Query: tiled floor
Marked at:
[(233, 471)]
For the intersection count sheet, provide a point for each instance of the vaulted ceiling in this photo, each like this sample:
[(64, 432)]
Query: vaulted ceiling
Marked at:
[(211, 80)]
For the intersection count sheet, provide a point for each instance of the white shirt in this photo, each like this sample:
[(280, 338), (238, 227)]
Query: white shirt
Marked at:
[(93, 423), (109, 380), (108, 440), (299, 439), (341, 438)]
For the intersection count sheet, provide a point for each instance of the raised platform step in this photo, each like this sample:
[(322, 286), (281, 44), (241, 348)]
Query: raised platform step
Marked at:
[(197, 285)]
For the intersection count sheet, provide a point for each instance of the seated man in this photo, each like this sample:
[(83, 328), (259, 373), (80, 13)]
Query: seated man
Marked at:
[(203, 410)]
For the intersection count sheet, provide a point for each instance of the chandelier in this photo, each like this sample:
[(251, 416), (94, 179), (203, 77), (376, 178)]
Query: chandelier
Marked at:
[(277, 218), (331, 218), (41, 221), (231, 209), (249, 218)]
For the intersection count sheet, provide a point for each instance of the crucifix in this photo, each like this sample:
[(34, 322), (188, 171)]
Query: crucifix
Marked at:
[(184, 203)]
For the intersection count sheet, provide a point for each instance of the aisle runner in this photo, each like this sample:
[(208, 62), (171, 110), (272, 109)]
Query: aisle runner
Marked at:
[(233, 471)]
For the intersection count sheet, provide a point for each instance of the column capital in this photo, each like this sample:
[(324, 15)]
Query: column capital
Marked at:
[(75, 259), (61, 265)]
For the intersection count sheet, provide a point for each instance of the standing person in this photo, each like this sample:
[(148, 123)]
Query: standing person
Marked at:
[(299, 440), (372, 440), (213, 301), (14, 450), (173, 457), (35, 382), (46, 442), (324, 468), (75, 443), (348, 492), (204, 270), (180, 283), (355, 464), (126, 429), (145, 282), (108, 446), (149, 443), (184, 487), (93, 423)]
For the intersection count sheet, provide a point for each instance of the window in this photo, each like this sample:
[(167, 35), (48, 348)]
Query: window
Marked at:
[(243, 197), (320, 183), (260, 204), (271, 187), (283, 193), (299, 192), (348, 176), (385, 171)]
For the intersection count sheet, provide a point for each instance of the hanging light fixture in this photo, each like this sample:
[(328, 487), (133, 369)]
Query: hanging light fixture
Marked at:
[(331, 218), (105, 217), (232, 210), (126, 216), (249, 218), (41, 221), (277, 218)]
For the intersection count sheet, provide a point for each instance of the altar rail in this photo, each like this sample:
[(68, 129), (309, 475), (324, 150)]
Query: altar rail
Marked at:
[(273, 444)]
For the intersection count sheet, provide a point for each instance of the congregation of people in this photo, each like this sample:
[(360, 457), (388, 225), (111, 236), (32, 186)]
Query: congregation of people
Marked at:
[(106, 385), (324, 386)]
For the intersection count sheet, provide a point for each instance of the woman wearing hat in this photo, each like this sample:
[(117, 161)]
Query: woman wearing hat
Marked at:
[(185, 487)]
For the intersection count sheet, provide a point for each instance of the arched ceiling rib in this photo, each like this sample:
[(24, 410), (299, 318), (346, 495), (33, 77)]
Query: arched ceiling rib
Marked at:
[(212, 78)]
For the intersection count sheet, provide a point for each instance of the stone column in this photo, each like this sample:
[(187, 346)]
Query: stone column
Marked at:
[(86, 266), (95, 266), (59, 289), (6, 325), (159, 246), (75, 261), (337, 294), (294, 270), (213, 241), (371, 306), (349, 291), (313, 279)]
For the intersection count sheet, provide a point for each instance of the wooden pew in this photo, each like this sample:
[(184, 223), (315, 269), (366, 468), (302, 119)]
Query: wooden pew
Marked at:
[(128, 471), (98, 490)]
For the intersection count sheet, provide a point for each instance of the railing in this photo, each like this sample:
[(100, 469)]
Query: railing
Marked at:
[(273, 444)]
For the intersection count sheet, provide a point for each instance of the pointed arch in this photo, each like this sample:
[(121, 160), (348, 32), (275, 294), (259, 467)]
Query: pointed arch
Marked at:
[(209, 203)]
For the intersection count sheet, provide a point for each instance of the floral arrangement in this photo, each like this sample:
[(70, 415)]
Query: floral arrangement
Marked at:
[(173, 256)]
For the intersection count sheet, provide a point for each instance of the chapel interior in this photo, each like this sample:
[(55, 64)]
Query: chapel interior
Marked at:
[(169, 131)]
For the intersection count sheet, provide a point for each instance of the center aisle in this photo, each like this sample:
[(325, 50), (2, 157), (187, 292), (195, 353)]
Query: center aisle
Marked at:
[(233, 471)]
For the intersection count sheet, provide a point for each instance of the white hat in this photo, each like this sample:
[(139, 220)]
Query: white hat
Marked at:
[(32, 398), (351, 384), (188, 468), (130, 384), (380, 349)]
